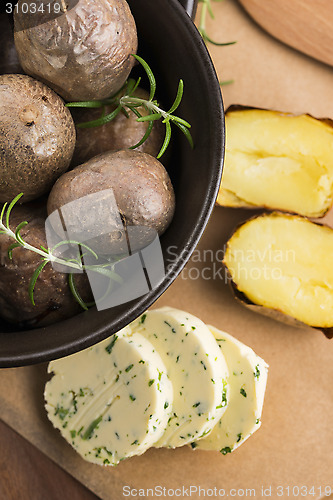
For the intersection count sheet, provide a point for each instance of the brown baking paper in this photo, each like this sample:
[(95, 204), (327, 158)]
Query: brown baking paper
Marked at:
[(294, 445)]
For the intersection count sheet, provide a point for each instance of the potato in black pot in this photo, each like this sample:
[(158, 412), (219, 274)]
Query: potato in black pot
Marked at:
[(37, 137), (52, 296), (83, 54)]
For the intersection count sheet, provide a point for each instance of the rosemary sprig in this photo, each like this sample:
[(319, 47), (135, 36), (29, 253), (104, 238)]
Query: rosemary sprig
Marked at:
[(125, 100), (47, 255), (207, 8)]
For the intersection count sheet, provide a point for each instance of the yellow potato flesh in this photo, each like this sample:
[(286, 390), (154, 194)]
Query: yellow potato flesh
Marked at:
[(278, 161), (284, 262)]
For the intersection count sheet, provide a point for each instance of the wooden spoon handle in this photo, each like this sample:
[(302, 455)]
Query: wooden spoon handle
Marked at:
[(306, 25)]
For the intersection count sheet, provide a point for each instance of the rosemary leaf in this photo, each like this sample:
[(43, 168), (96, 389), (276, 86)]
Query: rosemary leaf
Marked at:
[(145, 137), (11, 248), (75, 292), (34, 279), (11, 205), (151, 78), (17, 232), (166, 139), (179, 96), (101, 121)]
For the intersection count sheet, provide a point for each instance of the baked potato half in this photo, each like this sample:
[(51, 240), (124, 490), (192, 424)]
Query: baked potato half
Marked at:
[(283, 263), (278, 161)]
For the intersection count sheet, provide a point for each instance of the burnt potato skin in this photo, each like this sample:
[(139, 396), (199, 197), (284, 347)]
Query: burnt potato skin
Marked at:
[(120, 133), (85, 54), (37, 137), (9, 61), (141, 187), (53, 298)]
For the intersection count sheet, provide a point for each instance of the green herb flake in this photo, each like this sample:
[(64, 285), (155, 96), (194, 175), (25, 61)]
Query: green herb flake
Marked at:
[(143, 318), (257, 372), (132, 398), (106, 461), (141, 361), (243, 392), (111, 345), (239, 437), (193, 445), (90, 431), (177, 358), (73, 434), (257, 421), (224, 394), (166, 405), (129, 368), (226, 450), (203, 364), (61, 412), (135, 442), (195, 405)]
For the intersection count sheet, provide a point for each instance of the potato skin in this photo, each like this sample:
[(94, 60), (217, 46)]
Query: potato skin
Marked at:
[(37, 137), (84, 54), (53, 298), (141, 187), (120, 133)]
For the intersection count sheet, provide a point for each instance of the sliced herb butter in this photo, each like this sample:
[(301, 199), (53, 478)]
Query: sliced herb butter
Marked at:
[(248, 377), (196, 368), (111, 401), (165, 380)]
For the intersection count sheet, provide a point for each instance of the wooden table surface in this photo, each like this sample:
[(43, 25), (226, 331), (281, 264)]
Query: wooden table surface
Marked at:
[(26, 473)]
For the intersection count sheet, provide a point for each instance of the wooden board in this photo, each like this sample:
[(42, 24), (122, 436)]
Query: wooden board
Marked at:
[(294, 445), (305, 25)]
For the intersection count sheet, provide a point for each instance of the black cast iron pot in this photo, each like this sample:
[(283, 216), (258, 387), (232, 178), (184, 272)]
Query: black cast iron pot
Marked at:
[(171, 44)]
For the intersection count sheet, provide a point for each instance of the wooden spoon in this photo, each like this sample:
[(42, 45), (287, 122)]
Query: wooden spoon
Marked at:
[(306, 25)]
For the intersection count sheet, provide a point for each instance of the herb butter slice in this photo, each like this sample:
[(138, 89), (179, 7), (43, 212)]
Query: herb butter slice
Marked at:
[(111, 401), (196, 368), (247, 379)]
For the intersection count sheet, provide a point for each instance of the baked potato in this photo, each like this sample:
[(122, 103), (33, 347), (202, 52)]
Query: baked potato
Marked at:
[(283, 263), (142, 191), (278, 161), (37, 137), (83, 54), (53, 298), (120, 133)]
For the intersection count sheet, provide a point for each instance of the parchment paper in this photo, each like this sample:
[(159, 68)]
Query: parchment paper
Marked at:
[(293, 448)]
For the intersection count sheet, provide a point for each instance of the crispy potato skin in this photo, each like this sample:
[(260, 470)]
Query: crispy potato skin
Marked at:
[(84, 54), (9, 61), (37, 137), (280, 265), (53, 298), (141, 186), (120, 133), (277, 161)]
